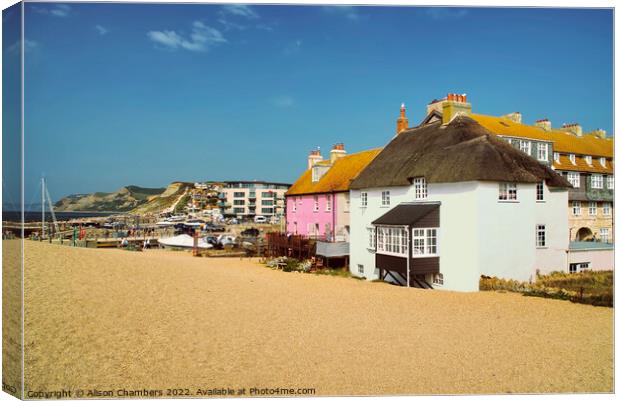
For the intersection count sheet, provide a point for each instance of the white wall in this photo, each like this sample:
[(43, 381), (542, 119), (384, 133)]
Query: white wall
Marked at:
[(478, 233), (600, 259)]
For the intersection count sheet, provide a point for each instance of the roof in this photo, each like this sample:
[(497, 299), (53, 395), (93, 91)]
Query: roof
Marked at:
[(406, 214), (460, 151), (589, 246), (332, 249), (562, 141), (337, 178), (581, 165)]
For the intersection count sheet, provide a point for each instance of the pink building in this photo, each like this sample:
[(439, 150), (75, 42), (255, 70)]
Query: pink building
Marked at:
[(317, 205)]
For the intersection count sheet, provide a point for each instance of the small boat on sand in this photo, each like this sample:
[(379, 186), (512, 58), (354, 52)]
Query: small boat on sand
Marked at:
[(184, 241)]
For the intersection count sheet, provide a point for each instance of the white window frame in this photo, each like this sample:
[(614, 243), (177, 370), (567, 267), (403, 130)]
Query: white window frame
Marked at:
[(420, 189), (360, 269), (541, 236), (602, 161), (294, 205), (372, 245), (508, 192), (572, 158), (315, 174), (392, 240), (596, 181), (576, 206), (573, 177), (543, 151), (592, 208), (540, 191), (604, 234), (363, 199), (385, 198), (610, 182), (606, 208), (420, 246), (328, 203), (438, 279), (525, 146), (315, 207), (589, 160), (556, 157)]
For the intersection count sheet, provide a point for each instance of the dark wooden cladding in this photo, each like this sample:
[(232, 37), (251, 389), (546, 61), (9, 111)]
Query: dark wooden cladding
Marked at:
[(428, 221), (424, 265), (393, 263)]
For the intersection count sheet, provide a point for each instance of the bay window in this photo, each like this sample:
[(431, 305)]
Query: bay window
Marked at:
[(424, 242), (392, 241)]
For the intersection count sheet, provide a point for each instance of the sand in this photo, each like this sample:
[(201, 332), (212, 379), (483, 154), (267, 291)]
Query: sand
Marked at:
[(111, 319)]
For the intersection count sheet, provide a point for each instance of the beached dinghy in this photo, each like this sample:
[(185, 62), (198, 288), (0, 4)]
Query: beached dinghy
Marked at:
[(184, 241)]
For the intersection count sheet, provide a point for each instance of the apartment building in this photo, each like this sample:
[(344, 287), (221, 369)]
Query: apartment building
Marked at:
[(245, 199)]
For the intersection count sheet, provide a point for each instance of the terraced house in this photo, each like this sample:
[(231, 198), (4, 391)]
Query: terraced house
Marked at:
[(584, 159)]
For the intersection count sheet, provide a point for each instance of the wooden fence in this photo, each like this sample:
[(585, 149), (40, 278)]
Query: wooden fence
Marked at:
[(295, 246)]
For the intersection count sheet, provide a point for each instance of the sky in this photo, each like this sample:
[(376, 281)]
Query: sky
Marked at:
[(147, 94)]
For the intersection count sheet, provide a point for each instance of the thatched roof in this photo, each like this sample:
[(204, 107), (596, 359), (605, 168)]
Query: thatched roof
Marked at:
[(462, 150)]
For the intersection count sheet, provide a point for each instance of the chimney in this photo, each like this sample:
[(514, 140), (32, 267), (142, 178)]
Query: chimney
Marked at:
[(435, 105), (314, 157), (402, 123), (573, 128), (544, 123), (599, 133), (455, 105), (516, 117), (337, 152)]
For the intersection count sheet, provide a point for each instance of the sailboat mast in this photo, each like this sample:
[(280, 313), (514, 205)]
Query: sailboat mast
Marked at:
[(42, 207)]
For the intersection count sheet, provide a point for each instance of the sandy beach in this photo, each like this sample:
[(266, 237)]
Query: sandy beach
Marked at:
[(110, 319)]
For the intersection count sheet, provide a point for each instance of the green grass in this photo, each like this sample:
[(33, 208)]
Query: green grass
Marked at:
[(589, 287)]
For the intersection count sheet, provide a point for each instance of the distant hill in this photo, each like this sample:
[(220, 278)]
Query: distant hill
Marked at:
[(166, 200), (123, 200)]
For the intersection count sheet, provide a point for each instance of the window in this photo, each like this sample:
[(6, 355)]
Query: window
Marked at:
[(543, 151), (610, 182), (328, 231), (438, 278), (604, 234), (295, 228), (526, 146), (328, 203), (239, 202), (392, 241), (576, 208), (238, 210), (606, 208), (316, 203), (267, 202), (267, 210), (540, 191), (360, 269), (592, 208), (573, 178), (364, 199), (419, 185), (317, 229), (572, 158), (575, 267), (268, 194), (596, 181), (424, 242), (589, 160), (556, 157), (347, 202), (507, 191), (371, 237), (315, 174), (294, 204), (385, 198), (541, 236), (602, 161), (239, 194)]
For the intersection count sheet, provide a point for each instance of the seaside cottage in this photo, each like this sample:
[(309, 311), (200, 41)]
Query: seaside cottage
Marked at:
[(317, 205), (447, 202)]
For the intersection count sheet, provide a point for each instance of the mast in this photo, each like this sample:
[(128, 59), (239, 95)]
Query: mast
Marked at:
[(42, 207)]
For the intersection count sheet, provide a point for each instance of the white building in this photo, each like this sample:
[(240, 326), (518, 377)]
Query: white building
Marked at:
[(447, 202), (245, 199)]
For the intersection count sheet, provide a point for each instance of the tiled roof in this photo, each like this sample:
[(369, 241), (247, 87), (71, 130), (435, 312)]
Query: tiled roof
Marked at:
[(581, 165), (337, 178), (562, 141)]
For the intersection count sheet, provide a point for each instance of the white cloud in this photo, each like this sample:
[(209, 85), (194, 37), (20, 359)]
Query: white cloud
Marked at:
[(57, 10), (283, 101), (29, 45), (349, 12), (201, 38), (229, 25), (102, 30), (446, 13), (240, 10)]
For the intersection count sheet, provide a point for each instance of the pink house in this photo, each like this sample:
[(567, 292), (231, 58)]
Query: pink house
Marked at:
[(317, 205)]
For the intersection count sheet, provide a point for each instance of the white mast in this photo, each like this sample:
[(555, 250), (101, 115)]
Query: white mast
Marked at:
[(42, 207), (51, 208)]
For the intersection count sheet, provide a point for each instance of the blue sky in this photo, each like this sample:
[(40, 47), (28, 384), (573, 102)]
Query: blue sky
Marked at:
[(120, 94)]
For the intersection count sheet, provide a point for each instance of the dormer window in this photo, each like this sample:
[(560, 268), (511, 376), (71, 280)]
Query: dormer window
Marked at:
[(526, 146), (556, 157), (315, 174), (603, 161), (543, 151), (572, 158), (589, 160)]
